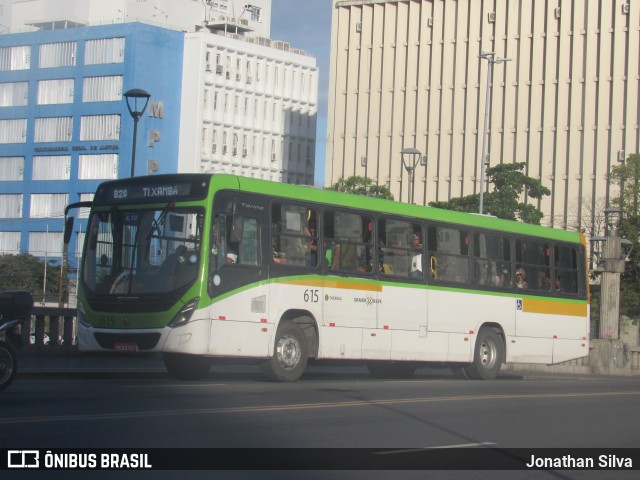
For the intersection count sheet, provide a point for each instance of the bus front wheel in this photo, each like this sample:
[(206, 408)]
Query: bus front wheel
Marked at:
[(488, 356), (290, 355), (186, 367)]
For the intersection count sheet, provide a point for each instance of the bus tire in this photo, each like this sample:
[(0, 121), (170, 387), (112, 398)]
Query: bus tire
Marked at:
[(391, 370), (8, 365), (290, 354), (186, 367), (487, 357)]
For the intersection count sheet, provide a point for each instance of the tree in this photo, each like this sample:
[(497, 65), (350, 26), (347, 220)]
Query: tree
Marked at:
[(26, 272), (627, 176), (362, 186), (509, 183)]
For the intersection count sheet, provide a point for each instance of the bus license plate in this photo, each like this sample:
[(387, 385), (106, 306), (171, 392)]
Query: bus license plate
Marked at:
[(126, 347)]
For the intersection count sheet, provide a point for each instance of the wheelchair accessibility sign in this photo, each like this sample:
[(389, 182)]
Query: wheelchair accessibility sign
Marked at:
[(519, 304)]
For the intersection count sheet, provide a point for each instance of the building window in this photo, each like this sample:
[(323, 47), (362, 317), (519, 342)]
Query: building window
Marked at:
[(11, 205), (84, 212), (52, 92), (45, 244), (12, 168), (15, 58), (53, 129), (102, 89), (98, 167), (58, 55), (13, 94), (51, 167), (9, 243), (214, 142), (13, 131), (48, 205), (100, 127), (104, 50)]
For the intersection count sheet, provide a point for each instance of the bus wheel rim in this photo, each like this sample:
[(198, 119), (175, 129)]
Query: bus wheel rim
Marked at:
[(289, 352), (488, 354)]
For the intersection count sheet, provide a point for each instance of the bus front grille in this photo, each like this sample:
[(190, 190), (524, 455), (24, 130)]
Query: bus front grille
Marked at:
[(144, 341)]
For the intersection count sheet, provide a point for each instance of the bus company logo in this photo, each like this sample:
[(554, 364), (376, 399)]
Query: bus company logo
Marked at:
[(368, 300), (23, 459), (334, 298), (252, 207)]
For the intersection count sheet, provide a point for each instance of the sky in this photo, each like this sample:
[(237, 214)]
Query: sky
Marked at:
[(306, 24)]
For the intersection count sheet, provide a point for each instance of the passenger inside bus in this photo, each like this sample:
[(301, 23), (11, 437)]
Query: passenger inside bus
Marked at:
[(520, 278), (416, 259)]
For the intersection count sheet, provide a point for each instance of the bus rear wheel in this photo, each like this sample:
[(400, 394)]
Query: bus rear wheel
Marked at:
[(487, 357), (186, 367), (290, 356)]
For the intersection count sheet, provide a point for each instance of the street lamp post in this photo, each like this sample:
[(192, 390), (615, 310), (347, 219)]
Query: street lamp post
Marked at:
[(492, 59), (132, 96), (417, 158)]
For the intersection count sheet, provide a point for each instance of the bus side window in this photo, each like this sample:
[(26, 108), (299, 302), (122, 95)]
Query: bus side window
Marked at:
[(450, 247), (565, 272), (234, 241), (348, 242), (400, 250), (293, 238)]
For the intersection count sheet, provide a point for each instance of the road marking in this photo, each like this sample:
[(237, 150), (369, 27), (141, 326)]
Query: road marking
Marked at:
[(424, 449), (303, 406), (179, 385)]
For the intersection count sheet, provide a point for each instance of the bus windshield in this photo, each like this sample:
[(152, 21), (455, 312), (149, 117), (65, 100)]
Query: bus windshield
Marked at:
[(142, 251)]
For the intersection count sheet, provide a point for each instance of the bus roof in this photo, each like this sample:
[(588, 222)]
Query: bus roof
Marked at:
[(330, 197)]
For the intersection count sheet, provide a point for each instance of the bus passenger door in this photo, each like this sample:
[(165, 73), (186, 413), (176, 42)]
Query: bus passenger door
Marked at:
[(235, 280)]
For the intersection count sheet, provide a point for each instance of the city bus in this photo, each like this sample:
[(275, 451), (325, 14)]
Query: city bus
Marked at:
[(203, 267)]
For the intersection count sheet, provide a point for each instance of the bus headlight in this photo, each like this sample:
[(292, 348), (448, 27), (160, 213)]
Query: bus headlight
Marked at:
[(82, 316), (184, 315)]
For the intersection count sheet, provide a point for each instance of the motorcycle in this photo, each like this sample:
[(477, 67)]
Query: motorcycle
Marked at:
[(14, 306)]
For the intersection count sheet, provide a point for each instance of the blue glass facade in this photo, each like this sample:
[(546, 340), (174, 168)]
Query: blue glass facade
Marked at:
[(91, 125)]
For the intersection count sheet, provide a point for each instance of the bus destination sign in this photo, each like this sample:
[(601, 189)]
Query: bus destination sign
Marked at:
[(153, 189), (122, 193)]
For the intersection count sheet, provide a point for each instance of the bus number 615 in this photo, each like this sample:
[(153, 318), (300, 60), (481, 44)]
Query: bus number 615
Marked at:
[(311, 295)]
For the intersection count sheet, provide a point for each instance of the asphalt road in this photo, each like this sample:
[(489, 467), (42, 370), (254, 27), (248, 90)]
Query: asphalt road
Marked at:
[(329, 408)]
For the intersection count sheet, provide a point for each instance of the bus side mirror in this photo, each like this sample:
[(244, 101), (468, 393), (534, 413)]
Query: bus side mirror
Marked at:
[(68, 230)]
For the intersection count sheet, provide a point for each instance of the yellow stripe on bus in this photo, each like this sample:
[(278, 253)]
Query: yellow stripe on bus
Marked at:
[(369, 287), (554, 308)]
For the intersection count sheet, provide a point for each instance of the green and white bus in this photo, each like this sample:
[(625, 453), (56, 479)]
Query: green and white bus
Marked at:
[(202, 267)]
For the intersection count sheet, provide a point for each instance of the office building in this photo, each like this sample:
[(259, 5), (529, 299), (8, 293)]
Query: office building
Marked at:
[(408, 74)]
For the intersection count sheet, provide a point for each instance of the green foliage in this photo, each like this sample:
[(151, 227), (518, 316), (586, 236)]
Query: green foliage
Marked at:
[(362, 186), (26, 272), (628, 176), (509, 184)]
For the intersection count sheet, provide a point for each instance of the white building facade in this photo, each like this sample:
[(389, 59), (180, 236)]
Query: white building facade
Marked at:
[(255, 103), (408, 74), (184, 15)]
